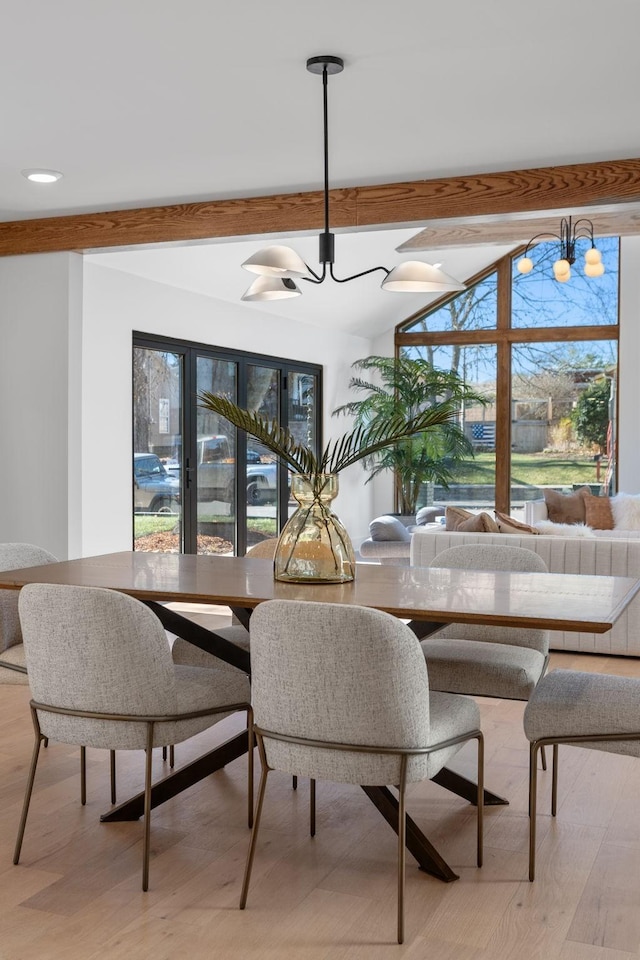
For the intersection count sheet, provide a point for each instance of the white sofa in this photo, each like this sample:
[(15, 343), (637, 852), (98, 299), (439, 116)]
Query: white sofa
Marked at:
[(604, 556)]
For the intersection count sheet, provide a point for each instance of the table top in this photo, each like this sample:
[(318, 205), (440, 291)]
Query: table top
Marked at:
[(552, 601)]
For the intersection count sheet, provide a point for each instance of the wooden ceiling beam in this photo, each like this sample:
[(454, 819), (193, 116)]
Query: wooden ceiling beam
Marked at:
[(547, 188)]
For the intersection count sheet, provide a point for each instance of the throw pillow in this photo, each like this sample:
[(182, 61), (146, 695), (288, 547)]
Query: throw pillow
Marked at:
[(388, 528), (566, 507), (550, 529), (625, 508), (509, 525), (598, 513), (463, 521)]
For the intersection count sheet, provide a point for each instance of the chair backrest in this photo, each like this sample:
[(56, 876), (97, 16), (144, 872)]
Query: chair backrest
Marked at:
[(336, 673), (95, 650), (480, 556), (14, 556)]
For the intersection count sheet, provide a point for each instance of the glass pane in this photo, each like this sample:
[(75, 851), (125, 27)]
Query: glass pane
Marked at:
[(473, 483), (473, 309), (302, 414), (538, 300), (215, 468), (263, 397), (563, 417), (157, 445)]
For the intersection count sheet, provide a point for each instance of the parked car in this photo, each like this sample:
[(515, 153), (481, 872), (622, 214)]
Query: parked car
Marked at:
[(154, 490)]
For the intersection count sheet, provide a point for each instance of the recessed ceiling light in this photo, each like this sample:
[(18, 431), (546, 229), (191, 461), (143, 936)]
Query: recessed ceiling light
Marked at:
[(42, 176)]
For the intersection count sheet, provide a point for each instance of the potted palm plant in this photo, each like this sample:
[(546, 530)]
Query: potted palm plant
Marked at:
[(406, 388), (314, 545)]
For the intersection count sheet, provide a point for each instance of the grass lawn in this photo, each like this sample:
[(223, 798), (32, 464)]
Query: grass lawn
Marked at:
[(533, 469), (145, 524)]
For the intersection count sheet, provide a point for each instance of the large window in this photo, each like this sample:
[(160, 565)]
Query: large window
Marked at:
[(199, 486), (544, 356)]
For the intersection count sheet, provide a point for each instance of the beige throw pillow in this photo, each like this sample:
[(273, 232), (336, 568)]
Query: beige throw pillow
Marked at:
[(566, 507), (463, 521), (598, 514), (509, 525)]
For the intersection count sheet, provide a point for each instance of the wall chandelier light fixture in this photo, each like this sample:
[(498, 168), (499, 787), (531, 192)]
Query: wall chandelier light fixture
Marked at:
[(569, 233), (279, 267)]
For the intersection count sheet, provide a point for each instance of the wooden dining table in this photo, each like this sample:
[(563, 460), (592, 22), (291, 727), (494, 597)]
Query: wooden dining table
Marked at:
[(426, 598)]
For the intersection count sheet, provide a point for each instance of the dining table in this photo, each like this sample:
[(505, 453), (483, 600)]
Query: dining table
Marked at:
[(427, 599)]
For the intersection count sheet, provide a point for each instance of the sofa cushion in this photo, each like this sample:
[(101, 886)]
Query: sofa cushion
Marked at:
[(625, 508), (566, 507), (388, 528), (463, 521), (428, 515), (509, 525), (598, 513)]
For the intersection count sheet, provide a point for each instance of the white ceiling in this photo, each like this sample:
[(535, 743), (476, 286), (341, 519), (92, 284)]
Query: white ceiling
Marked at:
[(143, 102)]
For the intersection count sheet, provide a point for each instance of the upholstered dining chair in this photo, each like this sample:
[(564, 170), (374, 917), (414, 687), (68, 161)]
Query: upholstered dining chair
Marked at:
[(341, 693), (187, 654), (594, 710), (101, 675), (502, 662), (13, 556)]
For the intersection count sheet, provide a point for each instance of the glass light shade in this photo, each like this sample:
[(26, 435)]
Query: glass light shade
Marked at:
[(562, 268), (594, 269), (271, 288), (277, 261), (592, 256), (563, 277), (525, 265), (416, 276)]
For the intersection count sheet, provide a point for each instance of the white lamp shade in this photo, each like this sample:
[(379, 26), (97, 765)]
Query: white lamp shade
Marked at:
[(416, 276), (277, 261), (271, 288)]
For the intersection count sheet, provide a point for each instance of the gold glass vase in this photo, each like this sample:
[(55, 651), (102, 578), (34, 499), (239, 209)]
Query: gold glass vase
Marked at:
[(314, 546)]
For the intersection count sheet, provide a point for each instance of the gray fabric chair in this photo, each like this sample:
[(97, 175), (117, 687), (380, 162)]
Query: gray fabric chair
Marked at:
[(341, 693), (14, 556), (482, 661), (592, 710), (101, 675), (187, 654)]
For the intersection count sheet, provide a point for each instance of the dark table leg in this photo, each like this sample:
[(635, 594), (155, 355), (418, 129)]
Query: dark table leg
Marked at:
[(417, 844), (176, 782)]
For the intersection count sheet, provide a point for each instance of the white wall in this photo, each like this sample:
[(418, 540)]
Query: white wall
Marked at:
[(115, 304), (629, 381), (40, 400)]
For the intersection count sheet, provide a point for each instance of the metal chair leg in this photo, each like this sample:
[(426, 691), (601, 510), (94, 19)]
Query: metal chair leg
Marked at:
[(402, 837), (147, 808), (112, 774), (172, 756), (554, 781), (294, 782), (480, 810), (312, 807), (533, 790), (543, 758), (83, 776), (27, 796), (164, 753), (251, 745), (256, 826)]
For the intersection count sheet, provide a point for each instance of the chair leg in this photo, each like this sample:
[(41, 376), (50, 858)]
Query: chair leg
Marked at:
[(251, 745), (294, 782), (312, 807), (480, 810), (112, 774), (83, 776), (554, 781), (402, 837), (256, 826), (543, 758), (172, 756), (164, 753), (27, 796), (533, 790), (147, 808)]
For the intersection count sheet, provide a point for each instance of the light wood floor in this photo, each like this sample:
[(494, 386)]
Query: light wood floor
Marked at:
[(76, 893)]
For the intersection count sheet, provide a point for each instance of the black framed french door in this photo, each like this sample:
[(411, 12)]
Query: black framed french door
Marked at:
[(217, 490)]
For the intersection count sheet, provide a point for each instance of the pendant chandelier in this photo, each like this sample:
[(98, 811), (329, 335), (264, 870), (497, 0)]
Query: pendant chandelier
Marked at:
[(569, 233), (278, 267)]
